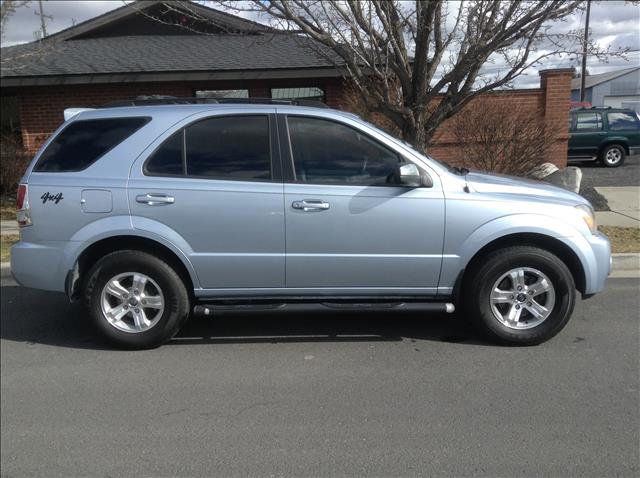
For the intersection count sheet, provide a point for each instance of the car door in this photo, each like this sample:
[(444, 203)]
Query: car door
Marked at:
[(349, 230), (586, 134), (213, 188)]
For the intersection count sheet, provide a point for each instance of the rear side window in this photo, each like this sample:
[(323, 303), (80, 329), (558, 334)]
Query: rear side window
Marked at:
[(227, 147), (589, 122), (84, 142), (622, 120)]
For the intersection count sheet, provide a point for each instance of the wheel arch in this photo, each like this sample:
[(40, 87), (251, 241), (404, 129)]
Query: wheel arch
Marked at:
[(551, 244), (614, 141), (98, 249)]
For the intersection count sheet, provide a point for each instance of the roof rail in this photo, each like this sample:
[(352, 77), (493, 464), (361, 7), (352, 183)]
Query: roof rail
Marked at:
[(156, 100)]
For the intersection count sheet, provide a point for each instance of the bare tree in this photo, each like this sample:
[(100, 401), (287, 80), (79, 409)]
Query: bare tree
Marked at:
[(419, 62), (8, 8), (499, 136)]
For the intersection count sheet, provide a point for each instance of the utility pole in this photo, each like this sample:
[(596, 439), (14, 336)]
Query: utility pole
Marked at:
[(584, 53), (43, 17)]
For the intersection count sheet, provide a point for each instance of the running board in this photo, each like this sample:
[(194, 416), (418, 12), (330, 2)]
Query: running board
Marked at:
[(208, 310)]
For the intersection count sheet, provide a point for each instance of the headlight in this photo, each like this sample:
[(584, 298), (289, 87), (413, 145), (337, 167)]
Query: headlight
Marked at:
[(587, 216)]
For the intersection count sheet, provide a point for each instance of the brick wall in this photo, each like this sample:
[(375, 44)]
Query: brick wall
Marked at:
[(551, 102), (41, 108)]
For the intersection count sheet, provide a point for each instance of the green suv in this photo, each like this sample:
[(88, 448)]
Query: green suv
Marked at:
[(606, 135)]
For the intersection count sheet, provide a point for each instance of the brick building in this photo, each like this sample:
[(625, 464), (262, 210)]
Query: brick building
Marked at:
[(127, 53)]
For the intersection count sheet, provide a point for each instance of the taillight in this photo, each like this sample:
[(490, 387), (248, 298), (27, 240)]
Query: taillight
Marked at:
[(23, 212)]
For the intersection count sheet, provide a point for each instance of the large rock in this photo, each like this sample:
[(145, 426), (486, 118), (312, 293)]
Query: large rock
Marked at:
[(567, 178), (543, 170)]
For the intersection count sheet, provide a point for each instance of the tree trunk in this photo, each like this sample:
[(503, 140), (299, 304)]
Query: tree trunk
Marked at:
[(415, 133)]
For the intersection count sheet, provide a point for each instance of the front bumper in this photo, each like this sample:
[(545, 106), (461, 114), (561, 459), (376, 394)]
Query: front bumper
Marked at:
[(597, 263)]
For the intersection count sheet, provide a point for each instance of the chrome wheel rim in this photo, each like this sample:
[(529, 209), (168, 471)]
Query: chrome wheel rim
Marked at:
[(522, 298), (613, 156), (132, 302)]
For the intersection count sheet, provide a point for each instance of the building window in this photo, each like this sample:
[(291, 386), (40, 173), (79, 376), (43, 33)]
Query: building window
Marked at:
[(222, 94), (303, 93)]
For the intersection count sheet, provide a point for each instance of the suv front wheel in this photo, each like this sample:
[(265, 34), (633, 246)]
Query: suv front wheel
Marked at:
[(135, 299), (521, 295), (612, 156)]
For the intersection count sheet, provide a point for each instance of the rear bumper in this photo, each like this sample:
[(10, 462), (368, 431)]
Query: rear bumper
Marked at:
[(39, 266)]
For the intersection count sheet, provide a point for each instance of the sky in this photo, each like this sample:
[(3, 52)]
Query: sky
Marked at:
[(615, 23)]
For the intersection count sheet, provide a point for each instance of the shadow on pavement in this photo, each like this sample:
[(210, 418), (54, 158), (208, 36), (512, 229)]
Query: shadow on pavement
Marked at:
[(33, 316)]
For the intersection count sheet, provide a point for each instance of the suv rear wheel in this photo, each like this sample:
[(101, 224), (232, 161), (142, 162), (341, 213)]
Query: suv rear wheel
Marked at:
[(136, 300), (521, 295), (612, 156)]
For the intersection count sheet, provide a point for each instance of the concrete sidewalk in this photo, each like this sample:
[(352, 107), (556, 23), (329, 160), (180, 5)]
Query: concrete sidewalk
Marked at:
[(8, 227), (624, 203)]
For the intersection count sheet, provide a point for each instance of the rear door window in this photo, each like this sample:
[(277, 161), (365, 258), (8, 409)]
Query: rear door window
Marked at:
[(84, 142), (589, 122), (229, 147)]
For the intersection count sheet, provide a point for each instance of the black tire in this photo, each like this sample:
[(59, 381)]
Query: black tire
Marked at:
[(177, 305), (481, 280), (612, 156)]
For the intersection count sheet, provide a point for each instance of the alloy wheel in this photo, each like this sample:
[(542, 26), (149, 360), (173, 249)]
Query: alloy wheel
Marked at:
[(132, 302)]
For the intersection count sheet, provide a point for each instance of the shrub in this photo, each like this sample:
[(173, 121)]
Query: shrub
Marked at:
[(502, 137), (13, 162)]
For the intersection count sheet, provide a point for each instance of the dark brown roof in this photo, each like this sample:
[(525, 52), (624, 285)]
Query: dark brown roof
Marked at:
[(98, 47)]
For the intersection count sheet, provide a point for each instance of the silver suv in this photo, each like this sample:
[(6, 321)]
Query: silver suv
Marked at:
[(151, 213)]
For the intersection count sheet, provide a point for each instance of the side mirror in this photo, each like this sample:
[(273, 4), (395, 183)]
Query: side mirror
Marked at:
[(408, 174)]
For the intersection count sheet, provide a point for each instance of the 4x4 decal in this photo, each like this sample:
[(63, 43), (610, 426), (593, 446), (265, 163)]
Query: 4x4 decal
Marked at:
[(53, 198)]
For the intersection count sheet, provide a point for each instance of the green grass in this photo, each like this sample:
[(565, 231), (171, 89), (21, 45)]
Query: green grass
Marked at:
[(623, 239), (6, 241)]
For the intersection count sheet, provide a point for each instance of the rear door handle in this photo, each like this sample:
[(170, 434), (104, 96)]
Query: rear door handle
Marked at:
[(310, 205), (155, 199)]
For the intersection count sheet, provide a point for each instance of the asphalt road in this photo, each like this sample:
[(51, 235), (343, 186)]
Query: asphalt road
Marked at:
[(626, 175), (320, 394)]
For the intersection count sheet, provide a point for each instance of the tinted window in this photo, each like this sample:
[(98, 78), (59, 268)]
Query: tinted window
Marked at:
[(231, 147), (328, 152), (84, 142), (167, 160), (588, 121), (622, 120)]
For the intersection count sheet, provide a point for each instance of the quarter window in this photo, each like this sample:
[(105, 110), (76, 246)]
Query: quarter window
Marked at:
[(83, 142), (588, 122), (621, 120), (325, 152)]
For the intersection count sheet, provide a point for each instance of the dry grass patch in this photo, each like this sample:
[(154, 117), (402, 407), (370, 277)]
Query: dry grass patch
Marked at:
[(6, 241), (623, 239), (7, 208)]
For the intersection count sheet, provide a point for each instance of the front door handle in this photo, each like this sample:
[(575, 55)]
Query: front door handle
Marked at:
[(310, 205), (155, 199)]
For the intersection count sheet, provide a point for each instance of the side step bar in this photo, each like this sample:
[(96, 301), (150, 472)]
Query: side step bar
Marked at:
[(208, 310)]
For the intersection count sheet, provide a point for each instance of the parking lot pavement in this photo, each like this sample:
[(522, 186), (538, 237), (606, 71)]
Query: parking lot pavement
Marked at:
[(320, 394), (594, 175)]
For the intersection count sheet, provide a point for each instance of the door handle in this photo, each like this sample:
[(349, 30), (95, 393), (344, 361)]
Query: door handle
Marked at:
[(155, 199), (310, 205)]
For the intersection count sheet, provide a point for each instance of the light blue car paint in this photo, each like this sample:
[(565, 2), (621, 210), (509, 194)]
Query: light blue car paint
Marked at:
[(239, 238)]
